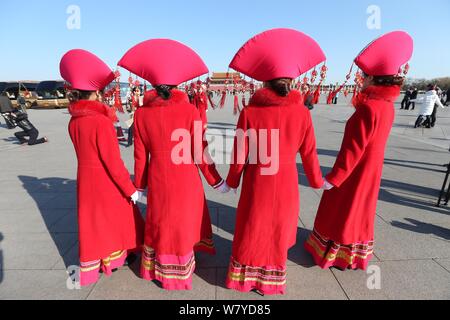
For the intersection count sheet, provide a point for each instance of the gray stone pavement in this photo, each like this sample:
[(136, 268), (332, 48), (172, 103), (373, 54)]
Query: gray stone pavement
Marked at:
[(38, 227)]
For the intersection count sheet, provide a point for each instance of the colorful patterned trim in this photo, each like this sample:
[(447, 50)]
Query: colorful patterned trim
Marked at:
[(267, 280), (327, 253), (173, 272), (89, 271), (206, 245)]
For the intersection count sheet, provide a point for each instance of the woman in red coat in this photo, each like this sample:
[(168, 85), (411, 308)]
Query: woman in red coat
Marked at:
[(169, 130), (343, 235), (268, 210), (109, 225)]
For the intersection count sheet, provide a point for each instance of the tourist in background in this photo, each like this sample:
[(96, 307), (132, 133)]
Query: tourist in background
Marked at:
[(406, 99), (428, 108)]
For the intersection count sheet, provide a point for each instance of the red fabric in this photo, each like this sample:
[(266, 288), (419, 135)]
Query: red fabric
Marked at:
[(244, 103), (277, 53), (163, 61), (106, 219), (385, 55), (236, 104), (267, 214), (330, 97), (223, 99), (211, 102), (201, 102), (118, 101), (317, 93), (85, 71), (346, 213), (177, 213)]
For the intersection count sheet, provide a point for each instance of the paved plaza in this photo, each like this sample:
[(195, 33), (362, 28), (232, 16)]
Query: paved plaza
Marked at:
[(38, 225)]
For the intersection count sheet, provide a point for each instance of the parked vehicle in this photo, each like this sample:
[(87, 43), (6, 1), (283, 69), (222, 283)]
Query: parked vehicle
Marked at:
[(51, 94), (26, 89)]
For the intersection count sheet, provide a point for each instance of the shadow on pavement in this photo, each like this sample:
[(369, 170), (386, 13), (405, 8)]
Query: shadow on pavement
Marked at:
[(424, 228), (325, 152), (409, 196), (55, 209), (439, 167)]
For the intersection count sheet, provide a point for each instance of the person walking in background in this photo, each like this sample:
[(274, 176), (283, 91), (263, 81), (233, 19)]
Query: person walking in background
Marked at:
[(406, 99), (336, 94), (414, 95), (135, 103), (268, 209), (428, 108), (110, 226), (343, 235)]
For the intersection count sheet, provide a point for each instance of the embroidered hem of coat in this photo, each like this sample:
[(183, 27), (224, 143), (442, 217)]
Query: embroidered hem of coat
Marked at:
[(327, 253), (89, 271), (173, 272), (268, 280), (206, 246)]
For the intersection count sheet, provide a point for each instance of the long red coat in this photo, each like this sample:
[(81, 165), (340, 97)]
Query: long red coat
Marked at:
[(346, 213), (177, 213), (107, 220), (268, 210)]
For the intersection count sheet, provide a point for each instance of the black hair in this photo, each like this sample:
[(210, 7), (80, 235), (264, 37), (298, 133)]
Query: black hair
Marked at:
[(76, 95), (281, 86), (164, 91), (386, 81)]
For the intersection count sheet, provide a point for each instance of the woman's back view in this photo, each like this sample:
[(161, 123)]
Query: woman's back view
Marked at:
[(271, 131), (169, 151)]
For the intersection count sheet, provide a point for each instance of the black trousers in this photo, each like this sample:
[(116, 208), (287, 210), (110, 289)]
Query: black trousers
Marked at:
[(423, 121), (130, 135), (405, 104), (413, 104), (33, 135), (433, 116)]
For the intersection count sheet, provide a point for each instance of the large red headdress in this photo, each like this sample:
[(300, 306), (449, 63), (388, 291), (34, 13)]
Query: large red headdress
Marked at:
[(85, 71), (278, 53), (163, 61), (386, 55)]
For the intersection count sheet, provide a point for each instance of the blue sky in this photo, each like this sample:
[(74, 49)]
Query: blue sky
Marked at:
[(34, 33)]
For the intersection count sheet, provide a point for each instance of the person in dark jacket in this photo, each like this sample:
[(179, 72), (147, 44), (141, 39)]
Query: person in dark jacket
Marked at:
[(414, 95), (21, 119), (406, 99)]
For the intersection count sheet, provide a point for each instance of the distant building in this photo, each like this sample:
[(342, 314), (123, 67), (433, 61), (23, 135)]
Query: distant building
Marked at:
[(219, 78)]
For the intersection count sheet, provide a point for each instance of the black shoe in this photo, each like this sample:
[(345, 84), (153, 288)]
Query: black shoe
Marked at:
[(258, 292), (132, 257)]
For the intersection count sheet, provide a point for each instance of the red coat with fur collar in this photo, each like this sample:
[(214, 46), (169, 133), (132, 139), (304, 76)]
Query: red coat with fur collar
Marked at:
[(107, 221), (177, 213), (268, 210), (346, 213)]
